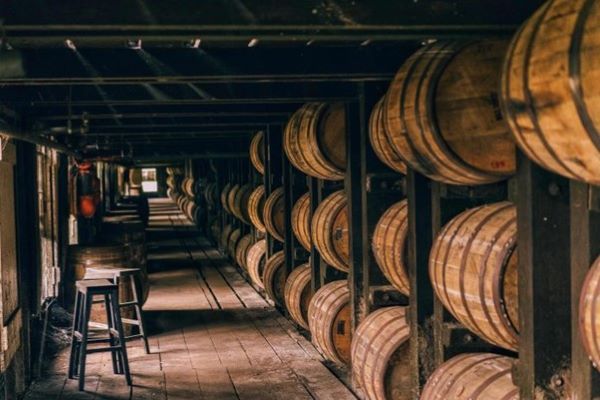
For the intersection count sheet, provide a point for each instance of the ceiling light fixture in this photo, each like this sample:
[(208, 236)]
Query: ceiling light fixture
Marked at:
[(135, 44), (69, 43), (195, 43)]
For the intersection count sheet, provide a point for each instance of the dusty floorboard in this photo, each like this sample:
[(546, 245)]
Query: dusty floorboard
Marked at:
[(212, 335)]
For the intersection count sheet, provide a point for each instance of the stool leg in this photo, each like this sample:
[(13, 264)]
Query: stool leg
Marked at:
[(87, 303), (74, 345), (111, 339), (119, 325), (138, 313)]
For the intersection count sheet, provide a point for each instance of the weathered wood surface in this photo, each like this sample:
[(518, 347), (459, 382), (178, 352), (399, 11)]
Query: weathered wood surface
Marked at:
[(550, 92), (390, 245), (256, 205), (442, 116), (473, 270), (298, 293), (315, 140), (257, 152), (380, 355), (301, 218), (472, 376)]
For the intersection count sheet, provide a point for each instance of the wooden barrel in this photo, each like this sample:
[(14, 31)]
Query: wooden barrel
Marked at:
[(329, 321), (189, 187), (442, 115), (256, 206), (224, 196), (330, 230), (191, 210), (99, 256), (240, 203), (215, 228), (132, 234), (315, 140), (472, 376), (297, 294), (589, 309), (380, 141), (227, 229), (255, 262), (274, 214), (380, 354), (274, 277), (234, 238), (135, 177), (257, 152), (174, 171), (390, 245), (174, 182), (550, 92), (301, 221), (473, 269), (231, 198), (241, 250), (210, 195)]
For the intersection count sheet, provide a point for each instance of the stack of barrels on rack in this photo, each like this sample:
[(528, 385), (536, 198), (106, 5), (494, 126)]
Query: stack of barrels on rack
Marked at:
[(188, 194), (441, 117), (120, 244), (455, 112)]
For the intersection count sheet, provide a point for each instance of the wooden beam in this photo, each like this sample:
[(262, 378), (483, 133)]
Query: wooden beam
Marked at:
[(544, 281)]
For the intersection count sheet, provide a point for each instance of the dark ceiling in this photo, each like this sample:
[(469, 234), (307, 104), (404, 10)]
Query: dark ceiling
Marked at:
[(150, 80)]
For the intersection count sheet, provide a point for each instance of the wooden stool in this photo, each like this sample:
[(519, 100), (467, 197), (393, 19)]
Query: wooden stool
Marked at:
[(117, 276), (86, 290)]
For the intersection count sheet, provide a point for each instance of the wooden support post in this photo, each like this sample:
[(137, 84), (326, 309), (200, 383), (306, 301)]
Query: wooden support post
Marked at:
[(420, 239), (585, 248), (294, 185), (273, 172), (544, 281), (370, 189)]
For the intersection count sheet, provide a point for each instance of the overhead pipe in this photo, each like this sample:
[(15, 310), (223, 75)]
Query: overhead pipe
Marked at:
[(9, 131)]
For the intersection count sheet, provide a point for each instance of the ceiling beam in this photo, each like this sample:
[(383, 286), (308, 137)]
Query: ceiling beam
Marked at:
[(98, 36)]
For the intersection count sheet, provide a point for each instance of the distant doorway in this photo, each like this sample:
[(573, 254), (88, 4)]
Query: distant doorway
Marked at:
[(149, 183)]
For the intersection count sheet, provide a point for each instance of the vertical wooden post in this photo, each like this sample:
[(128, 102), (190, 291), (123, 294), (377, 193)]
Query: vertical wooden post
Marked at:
[(294, 185), (544, 280), (356, 194), (585, 248), (420, 239), (273, 175)]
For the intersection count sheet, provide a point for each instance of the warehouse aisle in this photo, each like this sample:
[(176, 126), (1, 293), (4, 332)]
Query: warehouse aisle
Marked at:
[(212, 335)]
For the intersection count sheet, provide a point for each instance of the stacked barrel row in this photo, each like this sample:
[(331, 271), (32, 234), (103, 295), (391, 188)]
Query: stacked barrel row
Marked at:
[(442, 142), (444, 117)]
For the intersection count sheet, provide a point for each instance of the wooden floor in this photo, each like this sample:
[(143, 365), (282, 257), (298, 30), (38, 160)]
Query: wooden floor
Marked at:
[(212, 335)]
